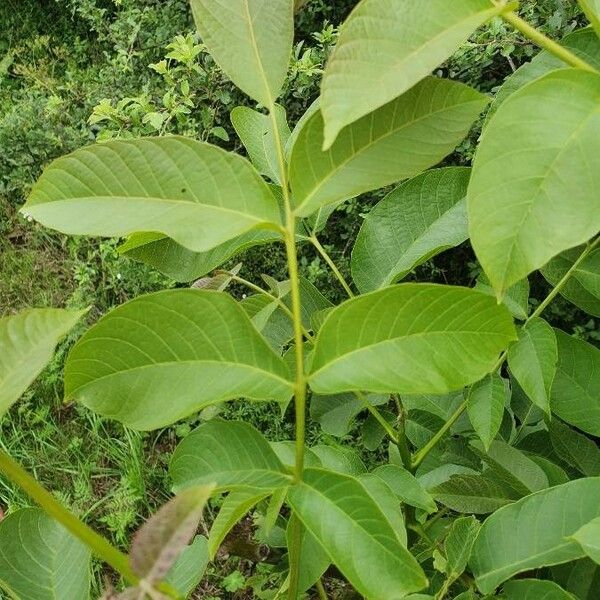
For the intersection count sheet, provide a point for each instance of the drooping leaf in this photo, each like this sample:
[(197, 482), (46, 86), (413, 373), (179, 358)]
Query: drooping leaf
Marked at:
[(575, 449), (166, 534), (526, 202), (418, 220), (181, 264), (533, 532), (582, 288), (341, 514), (534, 589), (195, 193), (485, 406), (582, 42), (251, 40), (232, 454), (397, 141), (576, 388), (189, 568), (142, 363), (391, 351), (234, 507), (256, 132), (406, 487), (475, 494), (40, 560), (591, 8), (588, 537), (458, 544), (516, 297), (532, 361), (386, 47), (27, 342)]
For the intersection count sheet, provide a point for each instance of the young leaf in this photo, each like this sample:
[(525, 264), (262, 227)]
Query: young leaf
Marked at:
[(525, 201), (532, 361), (181, 264), (458, 545), (27, 342), (41, 560), (166, 534), (588, 537), (591, 8), (234, 507), (413, 223), (485, 405), (406, 487), (397, 141), (337, 508), (256, 132), (582, 287), (575, 449), (159, 347), (189, 568), (532, 532), (195, 193), (251, 40), (576, 388), (386, 47), (391, 350), (534, 589), (472, 494), (232, 454)]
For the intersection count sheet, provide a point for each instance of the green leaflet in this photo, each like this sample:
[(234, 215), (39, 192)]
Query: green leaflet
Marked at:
[(574, 448), (256, 132), (485, 406), (591, 8), (386, 47), (397, 141), (525, 200), (516, 297), (141, 363), (458, 545), (498, 553), (534, 589), (588, 537), (413, 223), (391, 351), (232, 454), (40, 560), (251, 40), (406, 487), (195, 193), (532, 361), (337, 509), (576, 388), (189, 568), (27, 342), (583, 286)]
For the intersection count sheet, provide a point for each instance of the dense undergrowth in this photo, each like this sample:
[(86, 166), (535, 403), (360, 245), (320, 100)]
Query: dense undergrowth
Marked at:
[(72, 71)]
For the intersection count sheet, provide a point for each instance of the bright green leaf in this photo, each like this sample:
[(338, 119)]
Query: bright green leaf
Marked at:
[(588, 537), (575, 449), (458, 544), (142, 363), (383, 341), (532, 361), (533, 532), (195, 193), (386, 47), (526, 199), (189, 568), (418, 220), (534, 589), (576, 388), (485, 406), (27, 342), (251, 40), (40, 560), (591, 8), (340, 459), (406, 487), (232, 454), (397, 141), (341, 514), (516, 298)]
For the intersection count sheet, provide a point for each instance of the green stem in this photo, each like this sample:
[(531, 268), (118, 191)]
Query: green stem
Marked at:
[(378, 416), (99, 545), (315, 242), (421, 454), (545, 42), (321, 590), (300, 383)]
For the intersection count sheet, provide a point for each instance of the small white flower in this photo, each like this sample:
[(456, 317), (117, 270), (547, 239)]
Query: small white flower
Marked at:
[(119, 276)]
